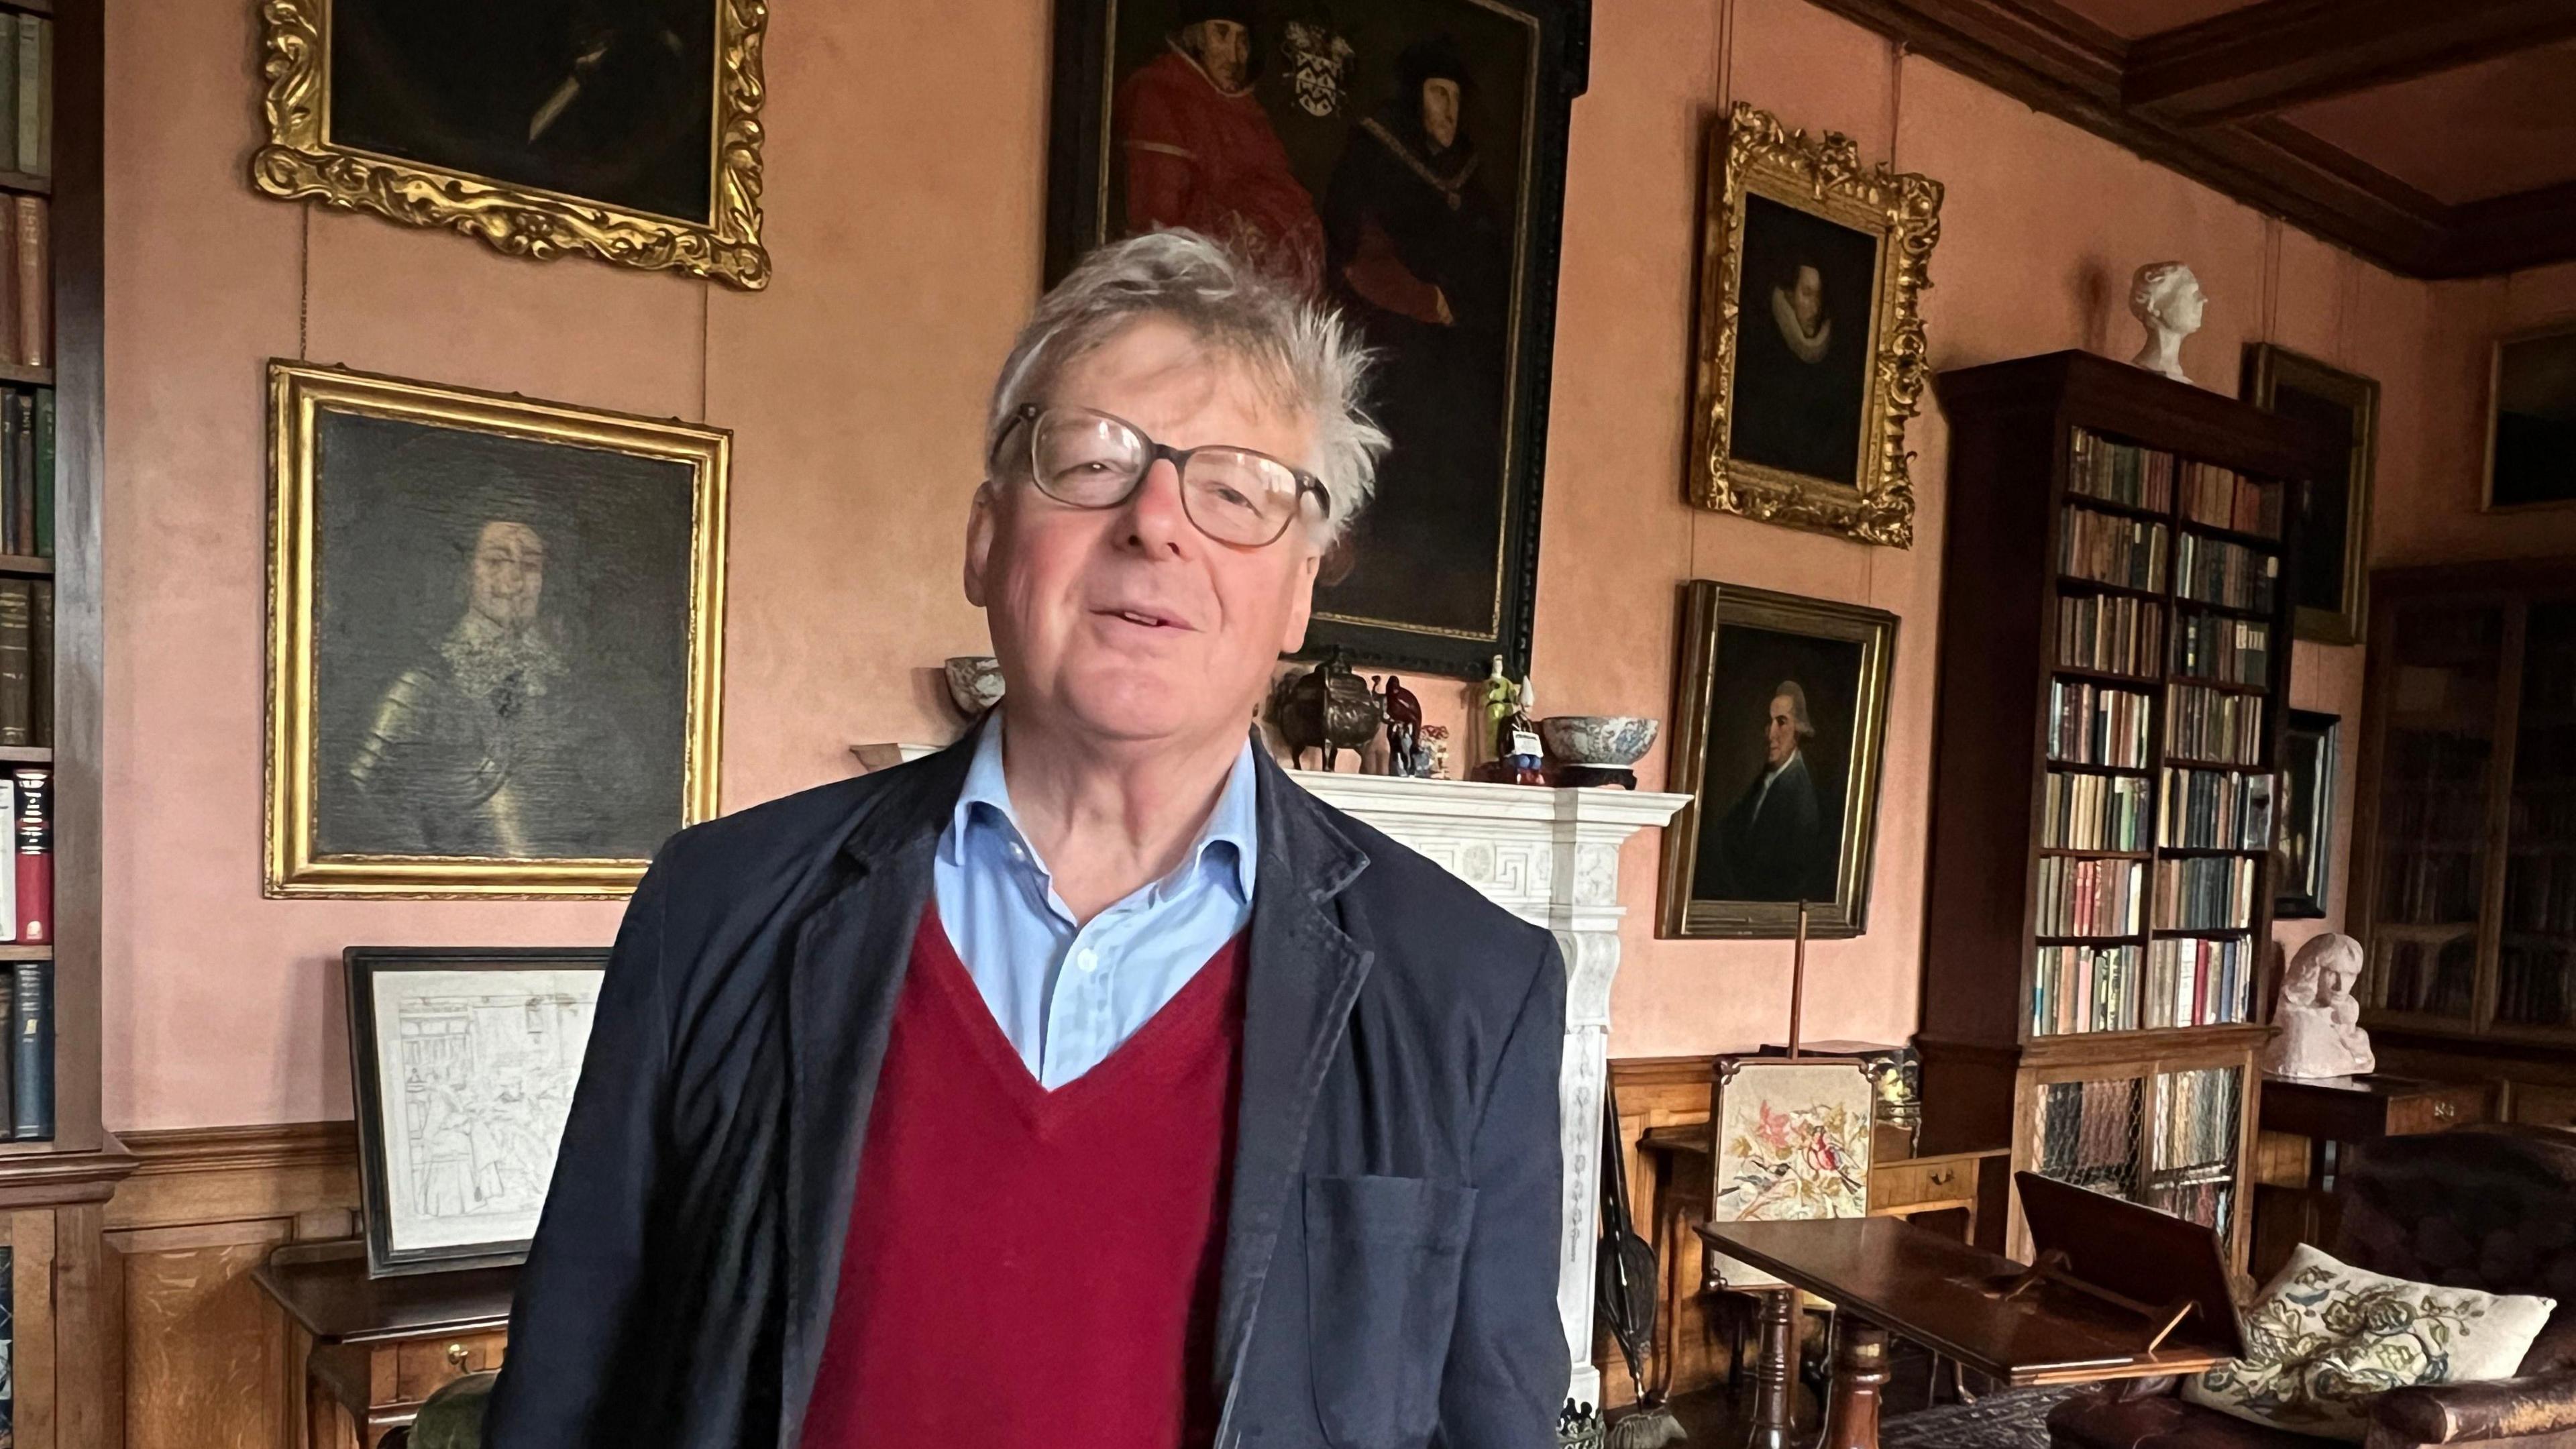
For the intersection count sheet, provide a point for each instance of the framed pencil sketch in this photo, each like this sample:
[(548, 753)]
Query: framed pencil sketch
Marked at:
[(465, 1062), (495, 639), (1404, 160), (2531, 418), (2330, 577), (1811, 348), (1781, 716), (1792, 1141), (2311, 750), (627, 132)]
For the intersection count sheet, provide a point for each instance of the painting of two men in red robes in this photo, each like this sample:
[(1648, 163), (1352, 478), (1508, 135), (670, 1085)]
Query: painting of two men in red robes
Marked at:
[(1404, 160)]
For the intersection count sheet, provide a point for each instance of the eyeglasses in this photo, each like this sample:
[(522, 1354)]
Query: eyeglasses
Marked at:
[(1088, 459)]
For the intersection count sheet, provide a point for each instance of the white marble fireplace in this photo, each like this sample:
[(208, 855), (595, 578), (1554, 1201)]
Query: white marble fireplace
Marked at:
[(1550, 857)]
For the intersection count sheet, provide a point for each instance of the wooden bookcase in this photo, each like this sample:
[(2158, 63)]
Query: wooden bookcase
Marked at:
[(2463, 886), (2162, 1113)]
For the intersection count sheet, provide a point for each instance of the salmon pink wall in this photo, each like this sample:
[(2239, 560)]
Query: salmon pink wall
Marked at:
[(904, 164)]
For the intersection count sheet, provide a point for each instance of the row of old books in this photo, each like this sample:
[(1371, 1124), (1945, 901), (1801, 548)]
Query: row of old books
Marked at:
[(2079, 897), (2095, 812), (2215, 810), (2084, 988), (27, 914), (26, 283), (2214, 571), (2535, 982), (2088, 1134), (2231, 651), (27, 471), (2199, 981), (2195, 1121), (26, 662), (2120, 472), (2128, 552), (2107, 632), (2205, 893), (2208, 724), (2203, 1200), (2225, 498), (2092, 724), (2540, 891)]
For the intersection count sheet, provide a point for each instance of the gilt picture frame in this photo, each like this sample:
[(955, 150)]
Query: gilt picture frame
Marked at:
[(545, 128), (1811, 351), (495, 639), (2330, 575), (1780, 725), (1791, 1140), (463, 1063), (1309, 141)]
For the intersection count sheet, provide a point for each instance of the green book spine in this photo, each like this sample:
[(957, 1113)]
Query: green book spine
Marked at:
[(44, 480), (8, 91), (31, 94), (11, 478)]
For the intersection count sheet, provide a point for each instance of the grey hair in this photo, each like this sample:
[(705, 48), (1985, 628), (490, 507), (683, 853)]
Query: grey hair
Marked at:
[(1793, 692), (1303, 354)]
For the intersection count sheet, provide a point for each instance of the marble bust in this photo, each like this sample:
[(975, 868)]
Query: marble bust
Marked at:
[(2320, 1022), (2166, 299)]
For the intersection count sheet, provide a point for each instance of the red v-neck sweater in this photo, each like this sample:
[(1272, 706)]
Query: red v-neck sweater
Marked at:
[(1029, 1268)]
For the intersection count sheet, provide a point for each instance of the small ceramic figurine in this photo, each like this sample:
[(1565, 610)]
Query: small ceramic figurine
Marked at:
[(2320, 1022), (2166, 299), (1403, 727), (1501, 700), (1431, 756)]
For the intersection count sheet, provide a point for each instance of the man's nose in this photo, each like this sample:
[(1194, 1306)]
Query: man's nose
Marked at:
[(1156, 518)]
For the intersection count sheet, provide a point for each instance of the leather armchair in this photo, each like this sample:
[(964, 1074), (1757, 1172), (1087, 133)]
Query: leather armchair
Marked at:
[(2492, 1208)]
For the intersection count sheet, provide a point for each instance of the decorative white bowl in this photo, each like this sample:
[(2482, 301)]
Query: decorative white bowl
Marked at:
[(1610, 741), (974, 683)]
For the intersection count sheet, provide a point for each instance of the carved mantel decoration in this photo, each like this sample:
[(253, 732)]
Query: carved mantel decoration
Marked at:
[(1777, 199), (1550, 857)]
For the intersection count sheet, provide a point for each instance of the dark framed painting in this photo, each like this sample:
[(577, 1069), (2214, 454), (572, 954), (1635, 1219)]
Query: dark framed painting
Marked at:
[(464, 1063), (2531, 419), (495, 646), (1781, 721), (1811, 348), (2303, 851), (629, 132), (1404, 160), (2330, 575)]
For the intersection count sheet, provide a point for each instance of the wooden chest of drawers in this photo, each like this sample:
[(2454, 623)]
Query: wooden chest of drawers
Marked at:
[(376, 1348)]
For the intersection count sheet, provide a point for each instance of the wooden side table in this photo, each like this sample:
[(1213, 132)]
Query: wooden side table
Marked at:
[(376, 1347), (2306, 1125)]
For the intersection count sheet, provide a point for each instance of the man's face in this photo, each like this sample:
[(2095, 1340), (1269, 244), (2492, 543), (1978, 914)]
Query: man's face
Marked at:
[(1780, 732), (1127, 624), (1440, 111), (1807, 297), (2187, 305), (1225, 51), (509, 574)]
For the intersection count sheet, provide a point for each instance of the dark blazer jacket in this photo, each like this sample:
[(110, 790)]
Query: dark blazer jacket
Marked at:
[(1392, 1238)]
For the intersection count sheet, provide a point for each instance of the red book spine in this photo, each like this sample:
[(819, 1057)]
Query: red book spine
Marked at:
[(35, 855)]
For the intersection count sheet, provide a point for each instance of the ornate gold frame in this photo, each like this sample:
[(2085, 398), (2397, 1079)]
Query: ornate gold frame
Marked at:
[(1707, 608), (296, 394), (1751, 153), (300, 161)]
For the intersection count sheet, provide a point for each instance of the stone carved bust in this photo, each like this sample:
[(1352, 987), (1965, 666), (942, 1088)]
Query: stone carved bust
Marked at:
[(2320, 1022), (2165, 298)]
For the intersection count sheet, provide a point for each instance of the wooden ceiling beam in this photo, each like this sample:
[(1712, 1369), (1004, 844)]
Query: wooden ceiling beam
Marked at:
[(2269, 56)]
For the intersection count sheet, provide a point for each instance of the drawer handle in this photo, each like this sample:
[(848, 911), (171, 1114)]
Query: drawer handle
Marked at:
[(457, 1354), (1940, 1179), (2445, 1111)]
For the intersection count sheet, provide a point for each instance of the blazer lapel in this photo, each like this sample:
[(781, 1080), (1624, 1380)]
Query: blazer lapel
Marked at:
[(1305, 971), (846, 971)]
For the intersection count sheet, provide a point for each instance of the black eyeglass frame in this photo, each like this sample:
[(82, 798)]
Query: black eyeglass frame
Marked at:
[(1025, 416)]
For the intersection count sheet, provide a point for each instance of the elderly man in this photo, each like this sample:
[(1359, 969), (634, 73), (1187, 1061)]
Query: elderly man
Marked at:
[(1088, 1085)]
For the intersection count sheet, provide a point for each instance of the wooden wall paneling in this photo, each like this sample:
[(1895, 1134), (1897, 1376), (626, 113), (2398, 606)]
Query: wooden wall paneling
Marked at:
[(31, 1350)]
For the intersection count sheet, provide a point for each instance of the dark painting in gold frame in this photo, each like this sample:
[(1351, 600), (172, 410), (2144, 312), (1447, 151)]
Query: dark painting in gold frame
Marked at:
[(1780, 717), (495, 639), (1811, 348), (628, 132), (2330, 576)]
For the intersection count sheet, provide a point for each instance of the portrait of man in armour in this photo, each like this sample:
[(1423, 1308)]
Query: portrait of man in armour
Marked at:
[(509, 642)]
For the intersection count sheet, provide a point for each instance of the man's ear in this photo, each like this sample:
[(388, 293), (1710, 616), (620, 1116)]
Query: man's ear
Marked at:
[(980, 524)]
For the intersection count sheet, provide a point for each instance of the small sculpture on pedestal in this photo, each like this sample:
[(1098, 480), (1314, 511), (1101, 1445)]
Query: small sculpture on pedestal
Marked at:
[(1517, 754), (1327, 708), (1403, 728), (1431, 757), (2166, 299), (2320, 1022)]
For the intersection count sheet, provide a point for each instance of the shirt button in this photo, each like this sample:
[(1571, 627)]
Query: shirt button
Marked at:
[(1090, 960), (1019, 854)]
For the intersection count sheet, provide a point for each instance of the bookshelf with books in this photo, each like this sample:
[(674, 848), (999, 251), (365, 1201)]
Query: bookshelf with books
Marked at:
[(2114, 681), (2463, 887)]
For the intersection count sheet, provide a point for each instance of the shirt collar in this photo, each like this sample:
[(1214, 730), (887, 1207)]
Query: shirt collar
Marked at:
[(1225, 842)]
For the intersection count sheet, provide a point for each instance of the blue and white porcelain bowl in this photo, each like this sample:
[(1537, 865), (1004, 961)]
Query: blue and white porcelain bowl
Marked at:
[(1610, 741)]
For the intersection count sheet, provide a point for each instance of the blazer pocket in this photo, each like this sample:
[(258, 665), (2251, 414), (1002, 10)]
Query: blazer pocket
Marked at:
[(1383, 1256)]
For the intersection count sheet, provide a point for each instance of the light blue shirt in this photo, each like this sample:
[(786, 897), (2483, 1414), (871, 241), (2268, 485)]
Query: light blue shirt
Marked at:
[(1066, 995)]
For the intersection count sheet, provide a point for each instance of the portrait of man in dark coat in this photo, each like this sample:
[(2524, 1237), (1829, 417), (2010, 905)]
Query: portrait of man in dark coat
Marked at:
[(1802, 342), (1773, 844)]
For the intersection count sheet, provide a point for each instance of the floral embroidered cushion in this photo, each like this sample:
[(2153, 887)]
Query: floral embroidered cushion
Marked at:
[(2322, 1339)]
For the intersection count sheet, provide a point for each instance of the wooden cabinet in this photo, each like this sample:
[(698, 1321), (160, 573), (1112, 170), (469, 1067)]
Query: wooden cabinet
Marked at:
[(2114, 681), (377, 1348)]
